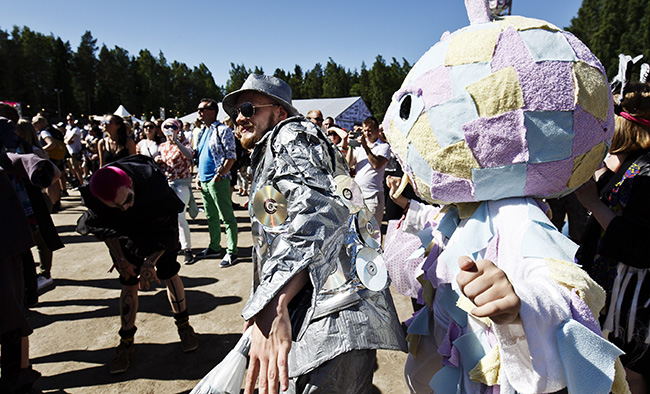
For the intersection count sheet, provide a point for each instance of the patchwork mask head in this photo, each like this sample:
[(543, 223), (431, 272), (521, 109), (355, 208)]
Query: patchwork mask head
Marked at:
[(502, 108)]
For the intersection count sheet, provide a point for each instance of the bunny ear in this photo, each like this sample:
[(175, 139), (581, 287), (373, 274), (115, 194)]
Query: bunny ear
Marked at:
[(478, 11), (625, 65), (483, 11), (645, 70)]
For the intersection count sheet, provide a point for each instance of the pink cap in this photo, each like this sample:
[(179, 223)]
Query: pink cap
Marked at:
[(105, 182)]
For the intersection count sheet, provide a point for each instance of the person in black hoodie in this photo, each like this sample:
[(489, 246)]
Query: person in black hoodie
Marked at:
[(134, 211)]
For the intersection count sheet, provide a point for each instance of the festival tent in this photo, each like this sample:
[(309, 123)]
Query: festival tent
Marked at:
[(345, 110), (121, 111), (190, 118)]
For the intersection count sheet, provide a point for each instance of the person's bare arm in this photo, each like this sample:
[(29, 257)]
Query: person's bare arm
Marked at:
[(120, 262), (375, 161), (49, 144), (185, 151), (350, 158), (100, 152), (588, 196), (393, 183), (271, 340), (130, 146)]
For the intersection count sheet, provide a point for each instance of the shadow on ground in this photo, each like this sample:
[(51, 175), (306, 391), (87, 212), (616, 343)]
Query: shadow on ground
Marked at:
[(155, 361)]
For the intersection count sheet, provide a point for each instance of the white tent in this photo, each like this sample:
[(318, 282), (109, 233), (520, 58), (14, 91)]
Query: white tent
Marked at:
[(121, 111), (345, 111), (190, 118)]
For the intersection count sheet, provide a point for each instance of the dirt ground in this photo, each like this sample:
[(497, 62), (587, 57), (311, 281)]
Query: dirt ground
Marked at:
[(75, 325)]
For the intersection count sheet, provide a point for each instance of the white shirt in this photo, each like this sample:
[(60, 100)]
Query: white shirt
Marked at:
[(370, 179), (75, 146), (148, 148)]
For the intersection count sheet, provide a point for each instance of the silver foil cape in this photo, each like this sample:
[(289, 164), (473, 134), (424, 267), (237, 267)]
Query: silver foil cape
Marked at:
[(298, 160)]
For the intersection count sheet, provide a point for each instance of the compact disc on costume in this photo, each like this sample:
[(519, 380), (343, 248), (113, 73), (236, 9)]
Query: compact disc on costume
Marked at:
[(371, 269), (260, 242), (368, 228), (347, 188), (270, 206)]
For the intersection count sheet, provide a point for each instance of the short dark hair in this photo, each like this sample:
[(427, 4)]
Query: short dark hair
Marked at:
[(9, 112), (212, 104), (371, 120)]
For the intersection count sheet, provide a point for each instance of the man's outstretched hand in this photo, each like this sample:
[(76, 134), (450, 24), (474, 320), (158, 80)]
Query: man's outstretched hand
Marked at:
[(489, 289), (271, 341), (270, 345)]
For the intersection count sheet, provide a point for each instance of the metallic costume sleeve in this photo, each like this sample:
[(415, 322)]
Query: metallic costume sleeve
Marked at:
[(299, 164)]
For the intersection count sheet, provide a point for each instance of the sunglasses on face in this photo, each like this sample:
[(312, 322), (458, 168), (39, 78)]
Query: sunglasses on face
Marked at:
[(201, 109), (247, 109), (127, 201), (105, 122), (317, 119), (171, 126)]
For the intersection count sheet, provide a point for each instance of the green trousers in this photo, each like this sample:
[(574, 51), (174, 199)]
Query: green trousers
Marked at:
[(218, 205)]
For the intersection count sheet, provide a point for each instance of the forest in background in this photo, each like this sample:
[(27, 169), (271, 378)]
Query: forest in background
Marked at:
[(44, 72)]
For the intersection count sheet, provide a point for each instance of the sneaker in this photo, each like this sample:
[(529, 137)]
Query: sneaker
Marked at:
[(228, 260), (44, 284), (120, 363), (208, 253), (189, 341), (189, 257)]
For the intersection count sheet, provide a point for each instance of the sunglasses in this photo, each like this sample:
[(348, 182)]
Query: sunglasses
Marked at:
[(201, 109), (247, 109), (105, 122), (171, 126), (316, 119), (127, 201)]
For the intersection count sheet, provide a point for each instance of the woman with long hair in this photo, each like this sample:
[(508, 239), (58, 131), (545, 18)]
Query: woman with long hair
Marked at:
[(117, 144), (614, 247)]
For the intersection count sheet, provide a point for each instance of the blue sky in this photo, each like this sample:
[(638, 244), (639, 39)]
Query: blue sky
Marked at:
[(269, 34)]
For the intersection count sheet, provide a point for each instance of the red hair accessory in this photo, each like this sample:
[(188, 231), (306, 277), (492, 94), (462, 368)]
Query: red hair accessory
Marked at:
[(641, 121)]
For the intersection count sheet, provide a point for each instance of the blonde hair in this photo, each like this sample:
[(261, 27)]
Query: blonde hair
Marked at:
[(26, 131), (630, 136)]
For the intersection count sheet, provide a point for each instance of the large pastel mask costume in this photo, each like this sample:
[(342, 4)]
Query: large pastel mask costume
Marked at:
[(502, 108)]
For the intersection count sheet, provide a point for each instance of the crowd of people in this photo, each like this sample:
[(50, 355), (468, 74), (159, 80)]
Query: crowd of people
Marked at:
[(137, 185)]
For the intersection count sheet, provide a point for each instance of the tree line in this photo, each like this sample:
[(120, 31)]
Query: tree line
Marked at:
[(610, 27), (43, 72)]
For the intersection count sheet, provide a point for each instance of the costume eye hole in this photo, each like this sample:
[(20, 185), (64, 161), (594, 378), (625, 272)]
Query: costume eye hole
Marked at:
[(407, 111), (405, 108)]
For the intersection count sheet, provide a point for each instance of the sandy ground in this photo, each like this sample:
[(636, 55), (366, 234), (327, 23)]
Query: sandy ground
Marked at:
[(76, 324)]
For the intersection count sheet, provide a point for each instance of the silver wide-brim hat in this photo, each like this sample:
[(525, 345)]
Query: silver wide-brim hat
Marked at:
[(271, 86)]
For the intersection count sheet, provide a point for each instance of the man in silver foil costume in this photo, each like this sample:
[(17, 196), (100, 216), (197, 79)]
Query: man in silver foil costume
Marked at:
[(314, 327)]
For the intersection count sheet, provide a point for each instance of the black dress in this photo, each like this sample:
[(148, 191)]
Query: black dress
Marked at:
[(619, 259)]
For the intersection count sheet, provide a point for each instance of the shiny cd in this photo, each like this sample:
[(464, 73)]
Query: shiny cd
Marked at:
[(347, 188), (368, 228), (270, 207), (260, 242), (371, 269)]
